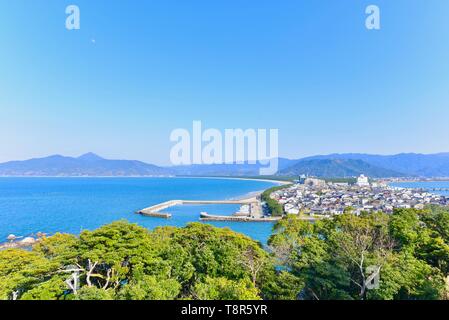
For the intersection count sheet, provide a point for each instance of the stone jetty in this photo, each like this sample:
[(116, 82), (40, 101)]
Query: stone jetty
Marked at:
[(204, 216), (253, 210)]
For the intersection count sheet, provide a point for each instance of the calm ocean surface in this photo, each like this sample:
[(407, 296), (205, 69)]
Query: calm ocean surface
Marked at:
[(427, 185), (31, 205)]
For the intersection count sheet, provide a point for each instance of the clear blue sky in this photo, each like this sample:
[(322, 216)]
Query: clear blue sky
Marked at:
[(307, 67)]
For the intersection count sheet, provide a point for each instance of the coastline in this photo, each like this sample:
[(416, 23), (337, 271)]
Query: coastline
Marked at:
[(235, 178), (151, 177), (405, 180), (247, 196), (244, 196), (251, 198)]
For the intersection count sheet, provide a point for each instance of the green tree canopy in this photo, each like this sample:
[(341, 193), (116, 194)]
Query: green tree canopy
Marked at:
[(337, 258)]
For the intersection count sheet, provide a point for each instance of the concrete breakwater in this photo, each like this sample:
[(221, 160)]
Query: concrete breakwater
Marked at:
[(154, 211), (165, 205), (156, 214), (208, 217), (204, 216), (253, 204), (254, 212), (161, 206)]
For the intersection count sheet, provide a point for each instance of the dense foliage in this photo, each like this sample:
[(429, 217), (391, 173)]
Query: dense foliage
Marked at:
[(275, 208), (408, 252), (125, 261), (329, 259)]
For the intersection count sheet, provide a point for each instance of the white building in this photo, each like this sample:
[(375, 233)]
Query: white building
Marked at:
[(362, 181)]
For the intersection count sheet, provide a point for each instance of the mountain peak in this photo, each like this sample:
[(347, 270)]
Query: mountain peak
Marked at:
[(340, 168), (90, 156)]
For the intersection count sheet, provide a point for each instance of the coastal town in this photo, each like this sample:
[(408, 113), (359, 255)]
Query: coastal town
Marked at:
[(316, 197), (311, 198)]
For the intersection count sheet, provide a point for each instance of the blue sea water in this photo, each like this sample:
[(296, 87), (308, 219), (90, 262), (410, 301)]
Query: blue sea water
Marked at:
[(438, 187), (70, 205)]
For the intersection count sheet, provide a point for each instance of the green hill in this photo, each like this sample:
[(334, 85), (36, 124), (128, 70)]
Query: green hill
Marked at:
[(337, 168)]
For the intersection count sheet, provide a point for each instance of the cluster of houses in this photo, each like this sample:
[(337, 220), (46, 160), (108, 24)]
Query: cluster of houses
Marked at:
[(318, 197)]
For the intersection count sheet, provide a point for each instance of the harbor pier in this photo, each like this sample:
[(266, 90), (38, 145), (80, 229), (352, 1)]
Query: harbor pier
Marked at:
[(253, 209)]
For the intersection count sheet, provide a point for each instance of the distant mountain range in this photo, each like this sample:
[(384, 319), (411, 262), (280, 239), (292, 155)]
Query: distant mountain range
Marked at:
[(88, 164), (410, 164), (337, 168), (333, 165), (244, 169)]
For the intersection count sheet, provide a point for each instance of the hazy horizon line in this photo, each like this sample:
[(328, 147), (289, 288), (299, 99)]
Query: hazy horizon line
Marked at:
[(224, 163)]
